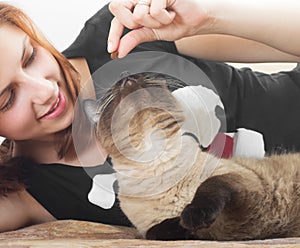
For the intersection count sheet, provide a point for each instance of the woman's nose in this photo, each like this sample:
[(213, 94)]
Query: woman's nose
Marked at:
[(40, 90)]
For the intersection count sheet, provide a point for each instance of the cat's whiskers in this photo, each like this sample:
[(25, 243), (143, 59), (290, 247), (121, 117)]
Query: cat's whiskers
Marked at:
[(109, 98)]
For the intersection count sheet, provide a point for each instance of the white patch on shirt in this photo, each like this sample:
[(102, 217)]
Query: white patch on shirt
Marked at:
[(102, 192)]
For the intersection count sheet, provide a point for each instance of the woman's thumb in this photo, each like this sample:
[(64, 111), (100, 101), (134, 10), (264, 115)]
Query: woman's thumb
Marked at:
[(133, 38)]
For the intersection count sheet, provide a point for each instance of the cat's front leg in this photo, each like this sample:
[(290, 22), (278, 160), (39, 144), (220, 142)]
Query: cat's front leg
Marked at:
[(211, 198), (169, 229)]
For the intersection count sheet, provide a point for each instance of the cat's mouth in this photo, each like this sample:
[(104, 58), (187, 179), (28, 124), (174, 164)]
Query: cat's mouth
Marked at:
[(195, 138)]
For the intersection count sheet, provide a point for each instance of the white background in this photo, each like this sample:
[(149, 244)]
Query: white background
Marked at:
[(60, 20)]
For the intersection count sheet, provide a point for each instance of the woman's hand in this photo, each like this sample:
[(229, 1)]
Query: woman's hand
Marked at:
[(155, 20)]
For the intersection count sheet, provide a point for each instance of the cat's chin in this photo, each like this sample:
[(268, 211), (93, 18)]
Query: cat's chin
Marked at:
[(151, 179)]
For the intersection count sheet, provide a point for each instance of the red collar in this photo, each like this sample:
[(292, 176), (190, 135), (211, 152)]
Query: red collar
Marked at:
[(221, 146)]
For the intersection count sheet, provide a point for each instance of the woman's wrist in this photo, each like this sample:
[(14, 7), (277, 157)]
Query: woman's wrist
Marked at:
[(224, 17), (207, 21), (236, 18)]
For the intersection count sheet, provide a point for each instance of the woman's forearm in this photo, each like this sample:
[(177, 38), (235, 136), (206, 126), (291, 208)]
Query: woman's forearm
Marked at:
[(231, 49), (272, 22)]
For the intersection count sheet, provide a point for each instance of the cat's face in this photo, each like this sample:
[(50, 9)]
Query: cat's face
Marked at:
[(138, 119)]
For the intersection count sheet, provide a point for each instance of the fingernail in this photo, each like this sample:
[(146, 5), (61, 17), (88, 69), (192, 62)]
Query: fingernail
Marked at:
[(109, 46)]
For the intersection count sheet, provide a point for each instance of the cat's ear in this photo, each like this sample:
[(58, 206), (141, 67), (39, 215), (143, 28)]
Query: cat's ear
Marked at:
[(90, 108)]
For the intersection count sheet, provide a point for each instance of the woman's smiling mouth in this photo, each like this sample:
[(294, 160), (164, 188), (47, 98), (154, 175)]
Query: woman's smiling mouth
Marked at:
[(57, 107)]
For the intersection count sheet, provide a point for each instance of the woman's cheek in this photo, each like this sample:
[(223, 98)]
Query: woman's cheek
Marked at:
[(18, 124)]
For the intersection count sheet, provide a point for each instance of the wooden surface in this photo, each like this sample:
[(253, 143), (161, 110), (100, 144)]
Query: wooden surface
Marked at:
[(87, 234)]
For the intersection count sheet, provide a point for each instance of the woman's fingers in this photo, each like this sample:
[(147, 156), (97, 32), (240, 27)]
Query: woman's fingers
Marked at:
[(165, 17), (160, 12), (153, 13), (114, 35), (145, 17), (141, 15), (133, 39), (124, 11)]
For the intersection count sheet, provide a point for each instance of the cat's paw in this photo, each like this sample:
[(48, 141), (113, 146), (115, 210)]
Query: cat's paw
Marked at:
[(169, 229), (211, 198), (196, 217)]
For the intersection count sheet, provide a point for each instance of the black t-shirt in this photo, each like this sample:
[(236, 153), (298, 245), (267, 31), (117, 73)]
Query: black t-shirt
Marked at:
[(265, 103), (71, 192)]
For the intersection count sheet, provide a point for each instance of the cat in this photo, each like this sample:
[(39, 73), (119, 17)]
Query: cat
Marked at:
[(171, 189)]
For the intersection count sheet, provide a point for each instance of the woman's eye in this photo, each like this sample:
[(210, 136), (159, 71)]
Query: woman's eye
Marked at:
[(9, 101), (31, 57)]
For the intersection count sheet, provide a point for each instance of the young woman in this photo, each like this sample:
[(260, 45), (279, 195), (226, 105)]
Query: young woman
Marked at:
[(38, 88)]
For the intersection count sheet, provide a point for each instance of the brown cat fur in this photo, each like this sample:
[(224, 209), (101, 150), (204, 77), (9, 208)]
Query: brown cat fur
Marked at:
[(167, 198)]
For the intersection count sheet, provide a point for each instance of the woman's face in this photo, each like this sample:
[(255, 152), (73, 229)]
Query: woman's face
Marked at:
[(34, 102)]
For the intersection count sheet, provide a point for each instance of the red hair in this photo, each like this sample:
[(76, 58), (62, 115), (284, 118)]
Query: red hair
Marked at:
[(11, 15)]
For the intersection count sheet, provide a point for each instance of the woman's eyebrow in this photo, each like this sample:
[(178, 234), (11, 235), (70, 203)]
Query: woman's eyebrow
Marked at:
[(24, 47)]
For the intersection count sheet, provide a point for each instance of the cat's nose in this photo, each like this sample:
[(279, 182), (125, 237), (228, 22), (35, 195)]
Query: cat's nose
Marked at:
[(125, 77), (128, 83)]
